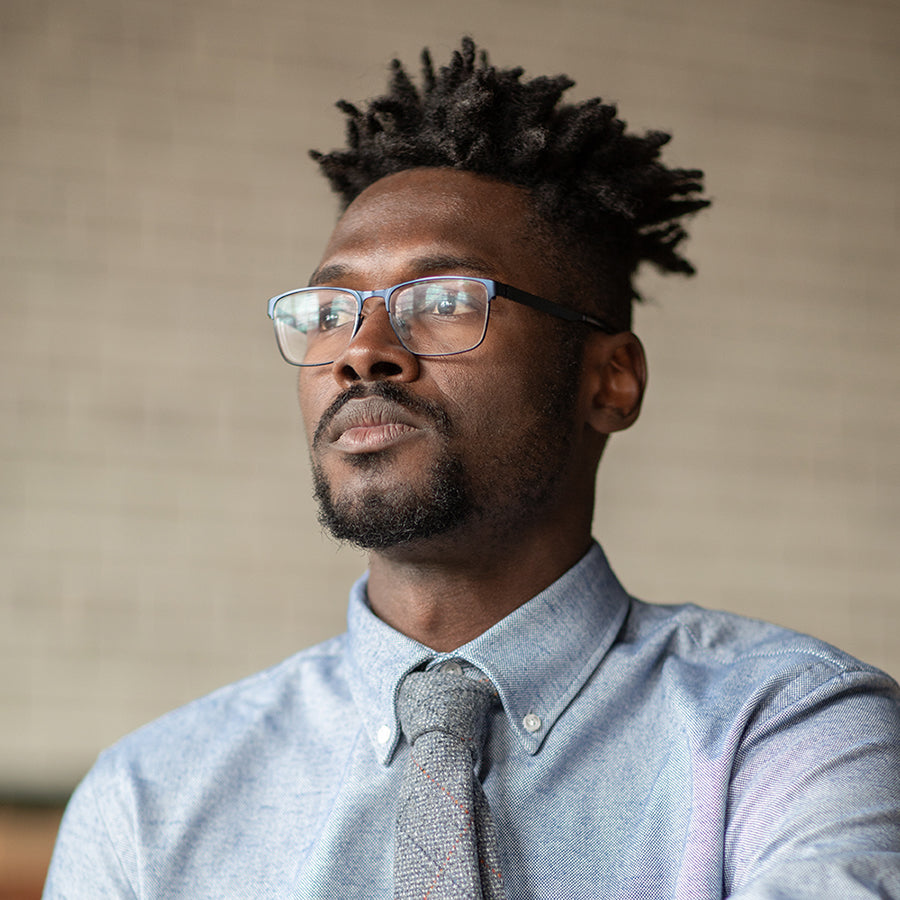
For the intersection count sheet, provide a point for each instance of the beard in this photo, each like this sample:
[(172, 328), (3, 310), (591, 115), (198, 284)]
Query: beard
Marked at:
[(376, 520), (527, 473)]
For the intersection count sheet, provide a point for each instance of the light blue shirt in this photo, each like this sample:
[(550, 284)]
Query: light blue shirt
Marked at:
[(641, 752)]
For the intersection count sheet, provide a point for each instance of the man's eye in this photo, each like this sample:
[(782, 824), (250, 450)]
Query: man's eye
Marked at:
[(446, 305), (328, 318), (332, 316), (440, 301)]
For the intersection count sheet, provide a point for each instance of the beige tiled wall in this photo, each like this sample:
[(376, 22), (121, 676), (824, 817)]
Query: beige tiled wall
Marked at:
[(157, 536)]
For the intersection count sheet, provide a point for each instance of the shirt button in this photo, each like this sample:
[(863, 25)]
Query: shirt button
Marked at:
[(384, 734), (532, 723), (451, 667)]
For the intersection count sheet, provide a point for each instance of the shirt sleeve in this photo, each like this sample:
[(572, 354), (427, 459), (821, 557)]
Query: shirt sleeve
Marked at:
[(93, 856), (814, 803)]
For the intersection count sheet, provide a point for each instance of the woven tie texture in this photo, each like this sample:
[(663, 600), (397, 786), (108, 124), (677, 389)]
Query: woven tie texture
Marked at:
[(446, 841)]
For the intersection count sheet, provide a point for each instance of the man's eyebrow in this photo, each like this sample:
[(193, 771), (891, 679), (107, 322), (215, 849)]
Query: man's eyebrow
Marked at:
[(419, 267), (332, 272), (445, 262)]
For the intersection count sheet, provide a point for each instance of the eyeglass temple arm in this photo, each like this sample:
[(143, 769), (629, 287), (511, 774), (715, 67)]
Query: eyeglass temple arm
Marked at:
[(548, 306)]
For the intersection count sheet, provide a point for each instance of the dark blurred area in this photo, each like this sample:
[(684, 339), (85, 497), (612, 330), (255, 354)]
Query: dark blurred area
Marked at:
[(27, 833)]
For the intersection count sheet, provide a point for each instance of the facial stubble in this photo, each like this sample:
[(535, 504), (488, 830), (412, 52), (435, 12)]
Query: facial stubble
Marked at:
[(376, 519), (446, 499)]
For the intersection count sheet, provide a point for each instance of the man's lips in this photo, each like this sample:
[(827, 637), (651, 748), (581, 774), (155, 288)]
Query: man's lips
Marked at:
[(370, 424)]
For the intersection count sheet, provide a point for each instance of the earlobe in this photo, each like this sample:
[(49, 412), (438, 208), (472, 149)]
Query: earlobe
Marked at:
[(615, 378)]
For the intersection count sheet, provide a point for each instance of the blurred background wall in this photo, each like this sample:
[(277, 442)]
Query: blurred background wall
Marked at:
[(158, 539)]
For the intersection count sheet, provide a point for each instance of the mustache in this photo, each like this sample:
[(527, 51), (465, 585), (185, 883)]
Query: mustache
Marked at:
[(393, 393)]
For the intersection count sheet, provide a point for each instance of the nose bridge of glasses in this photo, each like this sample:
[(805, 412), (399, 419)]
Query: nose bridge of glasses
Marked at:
[(364, 297)]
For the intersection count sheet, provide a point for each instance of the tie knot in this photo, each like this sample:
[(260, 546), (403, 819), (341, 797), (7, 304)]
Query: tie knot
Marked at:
[(440, 701)]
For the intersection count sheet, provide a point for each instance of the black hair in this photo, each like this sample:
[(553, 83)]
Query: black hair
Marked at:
[(609, 202)]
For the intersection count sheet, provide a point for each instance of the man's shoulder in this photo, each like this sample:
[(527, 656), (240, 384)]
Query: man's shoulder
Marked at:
[(715, 656), (717, 636), (302, 694), (216, 768)]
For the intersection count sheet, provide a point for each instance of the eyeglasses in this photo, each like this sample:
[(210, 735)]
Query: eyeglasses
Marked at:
[(439, 316)]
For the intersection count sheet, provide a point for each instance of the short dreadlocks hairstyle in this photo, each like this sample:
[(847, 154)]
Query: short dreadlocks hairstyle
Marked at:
[(603, 200)]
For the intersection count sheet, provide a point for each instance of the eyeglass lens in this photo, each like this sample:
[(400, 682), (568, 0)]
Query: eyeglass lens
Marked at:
[(431, 317)]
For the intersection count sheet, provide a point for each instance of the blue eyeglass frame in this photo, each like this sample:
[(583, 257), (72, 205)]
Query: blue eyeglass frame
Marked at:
[(494, 289)]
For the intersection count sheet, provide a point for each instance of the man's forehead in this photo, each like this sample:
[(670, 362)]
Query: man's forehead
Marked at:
[(436, 220), (437, 191)]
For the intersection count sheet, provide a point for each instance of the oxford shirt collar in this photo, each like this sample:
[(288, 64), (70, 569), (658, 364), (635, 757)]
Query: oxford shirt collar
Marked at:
[(538, 657)]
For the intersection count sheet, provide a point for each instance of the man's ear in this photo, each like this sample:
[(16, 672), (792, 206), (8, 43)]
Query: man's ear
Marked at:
[(615, 375)]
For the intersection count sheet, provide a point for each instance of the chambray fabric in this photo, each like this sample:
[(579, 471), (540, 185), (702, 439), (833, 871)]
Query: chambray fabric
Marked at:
[(445, 842), (673, 753)]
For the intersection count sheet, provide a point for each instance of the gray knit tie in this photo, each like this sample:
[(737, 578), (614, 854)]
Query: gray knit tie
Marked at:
[(446, 842)]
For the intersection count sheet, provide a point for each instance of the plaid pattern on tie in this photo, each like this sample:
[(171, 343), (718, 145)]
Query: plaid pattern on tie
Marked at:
[(446, 842)]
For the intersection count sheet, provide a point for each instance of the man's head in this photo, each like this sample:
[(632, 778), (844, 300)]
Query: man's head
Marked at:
[(601, 196), (480, 175)]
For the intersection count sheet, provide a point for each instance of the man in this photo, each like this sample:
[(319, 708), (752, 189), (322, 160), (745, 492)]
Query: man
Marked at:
[(464, 356)]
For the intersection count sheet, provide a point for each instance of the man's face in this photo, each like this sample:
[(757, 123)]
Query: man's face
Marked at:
[(476, 446)]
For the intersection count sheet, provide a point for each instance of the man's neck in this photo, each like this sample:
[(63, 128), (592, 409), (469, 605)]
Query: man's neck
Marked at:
[(446, 599)]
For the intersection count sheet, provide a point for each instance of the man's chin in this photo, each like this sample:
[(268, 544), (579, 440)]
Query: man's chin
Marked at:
[(393, 516)]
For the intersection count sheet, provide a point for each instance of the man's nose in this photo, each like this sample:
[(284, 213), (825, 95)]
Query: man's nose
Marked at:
[(375, 353)]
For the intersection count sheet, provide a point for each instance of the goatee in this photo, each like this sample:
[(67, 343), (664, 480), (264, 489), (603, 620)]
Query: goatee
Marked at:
[(374, 520)]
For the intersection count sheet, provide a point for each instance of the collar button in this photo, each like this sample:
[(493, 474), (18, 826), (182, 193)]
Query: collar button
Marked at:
[(532, 723)]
